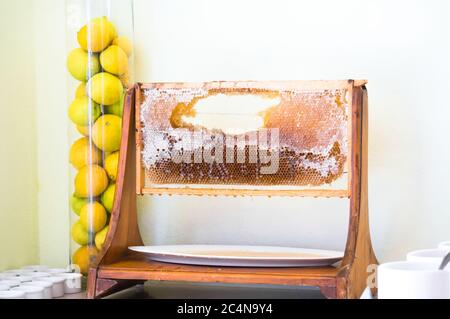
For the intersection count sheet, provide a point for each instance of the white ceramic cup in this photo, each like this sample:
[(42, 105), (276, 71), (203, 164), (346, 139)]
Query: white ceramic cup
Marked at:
[(12, 294), (427, 255), (412, 280), (58, 285), (72, 284), (445, 246), (4, 287), (10, 282), (36, 268), (31, 292), (48, 291)]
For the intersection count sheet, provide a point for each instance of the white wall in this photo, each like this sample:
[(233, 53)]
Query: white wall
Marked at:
[(52, 131), (401, 47), (18, 171)]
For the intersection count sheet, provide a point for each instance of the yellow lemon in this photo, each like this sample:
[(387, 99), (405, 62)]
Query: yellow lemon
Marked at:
[(77, 203), (117, 108), (93, 217), (79, 234), (81, 90), (83, 152), (83, 111), (106, 132), (108, 197), (101, 237), (125, 44), (82, 65), (83, 257), (83, 130), (114, 60), (97, 35), (105, 88), (90, 181), (111, 165)]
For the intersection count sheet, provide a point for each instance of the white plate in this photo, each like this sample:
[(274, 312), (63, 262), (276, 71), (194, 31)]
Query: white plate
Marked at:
[(240, 256)]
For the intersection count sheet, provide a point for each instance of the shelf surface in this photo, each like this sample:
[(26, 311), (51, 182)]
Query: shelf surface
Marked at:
[(138, 267)]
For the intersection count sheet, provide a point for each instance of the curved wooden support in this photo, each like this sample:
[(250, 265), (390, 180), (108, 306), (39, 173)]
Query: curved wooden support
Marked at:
[(359, 253), (123, 231)]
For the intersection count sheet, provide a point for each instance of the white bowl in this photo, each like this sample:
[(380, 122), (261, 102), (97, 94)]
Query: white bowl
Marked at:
[(10, 282), (445, 246), (36, 268), (48, 292), (4, 287), (31, 292), (12, 294), (58, 285), (427, 255), (72, 284)]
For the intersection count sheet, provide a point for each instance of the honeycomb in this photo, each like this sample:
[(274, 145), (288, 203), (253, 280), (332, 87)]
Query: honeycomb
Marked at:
[(301, 138)]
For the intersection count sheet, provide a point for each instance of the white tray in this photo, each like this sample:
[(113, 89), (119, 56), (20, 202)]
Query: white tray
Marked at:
[(240, 256)]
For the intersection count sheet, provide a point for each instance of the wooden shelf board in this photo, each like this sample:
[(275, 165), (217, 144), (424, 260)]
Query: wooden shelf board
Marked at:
[(137, 267)]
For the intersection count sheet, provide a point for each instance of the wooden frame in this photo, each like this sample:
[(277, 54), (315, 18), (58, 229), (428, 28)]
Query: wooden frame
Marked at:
[(141, 188), (117, 267)]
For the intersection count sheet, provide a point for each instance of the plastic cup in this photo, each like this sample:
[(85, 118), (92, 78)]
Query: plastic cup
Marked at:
[(48, 293), (72, 284), (31, 292), (12, 294), (11, 282), (58, 285), (36, 268)]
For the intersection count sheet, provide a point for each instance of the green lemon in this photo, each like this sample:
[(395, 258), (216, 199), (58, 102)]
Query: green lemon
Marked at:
[(107, 198), (82, 65), (79, 234), (83, 111)]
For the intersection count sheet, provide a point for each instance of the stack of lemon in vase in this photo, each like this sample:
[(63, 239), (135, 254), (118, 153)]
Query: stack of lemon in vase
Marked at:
[(101, 66)]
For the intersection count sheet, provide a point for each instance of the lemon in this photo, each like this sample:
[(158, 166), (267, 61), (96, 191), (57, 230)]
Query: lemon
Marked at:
[(101, 237), (105, 88), (97, 35), (83, 130), (93, 217), (125, 44), (83, 152), (117, 108), (79, 234), (114, 60), (111, 165), (77, 203), (81, 90), (82, 65), (108, 197), (83, 111), (83, 257), (106, 132), (90, 181)]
